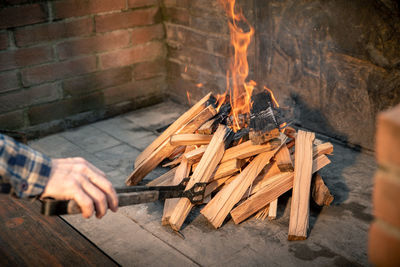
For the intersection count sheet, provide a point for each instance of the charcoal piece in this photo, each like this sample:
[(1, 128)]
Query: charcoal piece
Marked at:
[(263, 123)]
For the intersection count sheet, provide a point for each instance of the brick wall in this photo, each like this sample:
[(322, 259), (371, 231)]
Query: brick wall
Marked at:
[(384, 236), (333, 65), (70, 61)]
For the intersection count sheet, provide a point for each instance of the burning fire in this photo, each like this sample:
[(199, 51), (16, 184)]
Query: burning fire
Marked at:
[(238, 88)]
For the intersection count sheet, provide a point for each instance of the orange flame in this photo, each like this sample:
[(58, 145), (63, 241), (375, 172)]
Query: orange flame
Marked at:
[(239, 89), (188, 97)]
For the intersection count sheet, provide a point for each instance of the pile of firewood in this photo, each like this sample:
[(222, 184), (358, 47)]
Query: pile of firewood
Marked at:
[(245, 171)]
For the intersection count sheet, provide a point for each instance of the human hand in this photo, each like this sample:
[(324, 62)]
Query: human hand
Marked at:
[(77, 179)]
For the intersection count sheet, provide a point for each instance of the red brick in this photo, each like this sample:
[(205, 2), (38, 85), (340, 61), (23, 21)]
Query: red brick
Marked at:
[(148, 70), (388, 137), (27, 97), (3, 40), (12, 120), (147, 52), (25, 57), (386, 197), (9, 81), (128, 19), (146, 34), (141, 3), (384, 245), (133, 90), (176, 3), (99, 80), (53, 31), (76, 8), (58, 70), (177, 15), (64, 108), (22, 15), (100, 43)]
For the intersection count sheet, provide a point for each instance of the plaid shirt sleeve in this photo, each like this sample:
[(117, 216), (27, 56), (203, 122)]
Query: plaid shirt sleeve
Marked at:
[(24, 169)]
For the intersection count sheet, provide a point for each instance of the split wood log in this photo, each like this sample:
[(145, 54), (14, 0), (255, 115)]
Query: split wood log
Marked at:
[(212, 156), (278, 185), (320, 192), (262, 214), (173, 163), (290, 132), (324, 148), (267, 190), (299, 211), (208, 127), (247, 149), (211, 187), (164, 150), (220, 206), (227, 168), (273, 208), (182, 171), (283, 160), (174, 127), (177, 152), (195, 155), (165, 179), (190, 139)]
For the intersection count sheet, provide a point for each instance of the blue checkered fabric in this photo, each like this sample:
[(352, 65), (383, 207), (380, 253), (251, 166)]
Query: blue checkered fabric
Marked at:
[(24, 169)]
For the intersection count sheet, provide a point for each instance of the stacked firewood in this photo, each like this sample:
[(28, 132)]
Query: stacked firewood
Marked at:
[(245, 170)]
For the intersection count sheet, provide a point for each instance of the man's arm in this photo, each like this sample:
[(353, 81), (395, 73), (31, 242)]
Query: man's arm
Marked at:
[(31, 173)]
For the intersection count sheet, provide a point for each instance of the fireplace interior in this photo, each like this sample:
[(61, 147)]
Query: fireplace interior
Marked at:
[(122, 71)]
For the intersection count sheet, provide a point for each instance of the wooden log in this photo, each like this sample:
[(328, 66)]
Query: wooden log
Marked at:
[(190, 139), (299, 211), (164, 150), (320, 162), (173, 163), (165, 179), (177, 152), (208, 127), (277, 185), (320, 192), (227, 168), (220, 206), (273, 208), (267, 190), (324, 148), (262, 214), (182, 172), (212, 156), (195, 155), (211, 187), (247, 149), (174, 127), (284, 160)]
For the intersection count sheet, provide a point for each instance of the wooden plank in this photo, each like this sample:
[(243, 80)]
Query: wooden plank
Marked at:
[(27, 238), (266, 191), (177, 152), (320, 192), (324, 148), (278, 185), (320, 162), (284, 160), (247, 149), (165, 179), (190, 139), (211, 187), (299, 211), (195, 155), (203, 173), (164, 150), (173, 128), (273, 208), (182, 172), (208, 127), (227, 168), (220, 206)]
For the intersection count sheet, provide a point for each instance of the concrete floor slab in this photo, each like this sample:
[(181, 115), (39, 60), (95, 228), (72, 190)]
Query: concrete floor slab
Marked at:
[(134, 235)]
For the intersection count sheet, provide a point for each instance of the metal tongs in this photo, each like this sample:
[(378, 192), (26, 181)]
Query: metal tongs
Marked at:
[(132, 195)]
